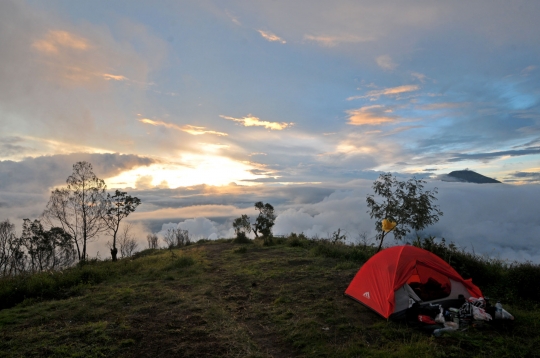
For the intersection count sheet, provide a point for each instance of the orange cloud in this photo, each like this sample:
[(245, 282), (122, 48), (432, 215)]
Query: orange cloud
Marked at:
[(370, 115), (54, 41), (388, 92), (267, 35), (193, 130), (108, 77), (330, 41), (251, 121)]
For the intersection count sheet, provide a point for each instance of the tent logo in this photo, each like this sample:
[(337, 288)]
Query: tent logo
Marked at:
[(366, 295)]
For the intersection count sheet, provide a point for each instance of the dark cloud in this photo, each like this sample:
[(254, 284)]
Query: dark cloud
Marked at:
[(523, 177), (485, 157), (37, 175)]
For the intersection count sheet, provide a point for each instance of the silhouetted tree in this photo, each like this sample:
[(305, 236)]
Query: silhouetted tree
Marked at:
[(152, 241), (118, 206), (177, 238), (12, 257), (46, 249), (242, 226), (404, 203), (79, 208), (127, 242), (265, 221)]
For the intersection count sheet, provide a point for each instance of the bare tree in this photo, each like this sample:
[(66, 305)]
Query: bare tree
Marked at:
[(119, 206), (177, 238), (152, 241), (127, 242), (79, 208)]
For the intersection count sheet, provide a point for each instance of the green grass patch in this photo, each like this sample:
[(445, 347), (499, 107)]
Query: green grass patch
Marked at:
[(213, 300)]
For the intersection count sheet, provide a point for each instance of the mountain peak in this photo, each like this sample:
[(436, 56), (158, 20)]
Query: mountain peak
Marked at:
[(468, 176)]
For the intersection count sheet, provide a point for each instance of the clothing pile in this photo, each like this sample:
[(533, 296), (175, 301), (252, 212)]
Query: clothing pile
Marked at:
[(438, 319)]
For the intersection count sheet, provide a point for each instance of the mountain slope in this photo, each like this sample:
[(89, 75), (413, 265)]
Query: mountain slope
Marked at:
[(468, 176)]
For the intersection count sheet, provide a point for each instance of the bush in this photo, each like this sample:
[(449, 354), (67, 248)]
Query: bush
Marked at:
[(516, 282), (343, 252), (295, 240), (241, 238), (181, 262)]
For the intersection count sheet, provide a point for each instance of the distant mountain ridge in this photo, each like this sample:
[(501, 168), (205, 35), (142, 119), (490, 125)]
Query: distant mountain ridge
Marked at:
[(468, 176)]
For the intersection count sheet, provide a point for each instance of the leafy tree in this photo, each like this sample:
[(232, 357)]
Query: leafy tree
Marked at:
[(118, 206), (12, 257), (79, 208), (242, 226), (47, 249), (405, 203), (265, 221)]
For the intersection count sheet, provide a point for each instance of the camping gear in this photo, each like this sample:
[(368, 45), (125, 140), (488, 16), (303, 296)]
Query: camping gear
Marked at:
[(397, 276)]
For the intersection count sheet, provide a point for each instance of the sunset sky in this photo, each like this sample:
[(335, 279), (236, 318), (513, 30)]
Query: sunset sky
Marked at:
[(201, 107)]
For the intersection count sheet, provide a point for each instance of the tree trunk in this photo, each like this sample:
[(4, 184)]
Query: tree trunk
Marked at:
[(380, 245), (114, 252)]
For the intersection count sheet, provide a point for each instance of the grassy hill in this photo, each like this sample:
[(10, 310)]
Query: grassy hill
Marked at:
[(220, 299)]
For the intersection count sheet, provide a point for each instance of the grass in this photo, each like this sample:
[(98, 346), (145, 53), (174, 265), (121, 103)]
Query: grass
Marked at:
[(231, 300)]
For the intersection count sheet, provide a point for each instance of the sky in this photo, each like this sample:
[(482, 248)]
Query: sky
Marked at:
[(200, 108)]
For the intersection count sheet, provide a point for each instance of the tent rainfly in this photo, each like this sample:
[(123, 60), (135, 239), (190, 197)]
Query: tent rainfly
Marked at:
[(396, 277)]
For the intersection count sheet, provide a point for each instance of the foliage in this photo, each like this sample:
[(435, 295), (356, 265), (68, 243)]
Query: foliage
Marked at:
[(299, 240), (46, 249), (118, 207), (242, 226), (405, 203), (337, 237), (79, 208), (509, 282), (11, 251), (279, 301), (265, 221)]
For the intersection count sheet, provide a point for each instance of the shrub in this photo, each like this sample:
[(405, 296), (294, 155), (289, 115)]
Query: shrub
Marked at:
[(241, 238), (295, 240)]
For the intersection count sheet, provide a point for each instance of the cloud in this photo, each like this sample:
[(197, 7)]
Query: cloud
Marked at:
[(109, 77), (331, 41), (267, 35), (386, 63), (528, 177), (193, 130), (419, 76), (251, 121), (493, 155), (38, 175), (370, 115), (55, 41), (498, 221), (444, 105), (388, 92)]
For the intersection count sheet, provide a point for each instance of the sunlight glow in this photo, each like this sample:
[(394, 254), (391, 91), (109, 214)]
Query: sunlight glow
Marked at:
[(194, 170)]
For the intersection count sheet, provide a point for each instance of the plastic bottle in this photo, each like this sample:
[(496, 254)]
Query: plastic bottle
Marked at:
[(498, 310)]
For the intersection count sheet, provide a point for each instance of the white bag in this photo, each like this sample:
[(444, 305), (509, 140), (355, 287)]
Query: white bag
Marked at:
[(480, 314)]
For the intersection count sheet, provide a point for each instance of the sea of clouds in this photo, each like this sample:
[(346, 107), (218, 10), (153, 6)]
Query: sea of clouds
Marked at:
[(496, 220)]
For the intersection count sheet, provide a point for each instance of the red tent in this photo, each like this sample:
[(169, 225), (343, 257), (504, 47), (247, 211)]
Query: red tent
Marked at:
[(394, 278)]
